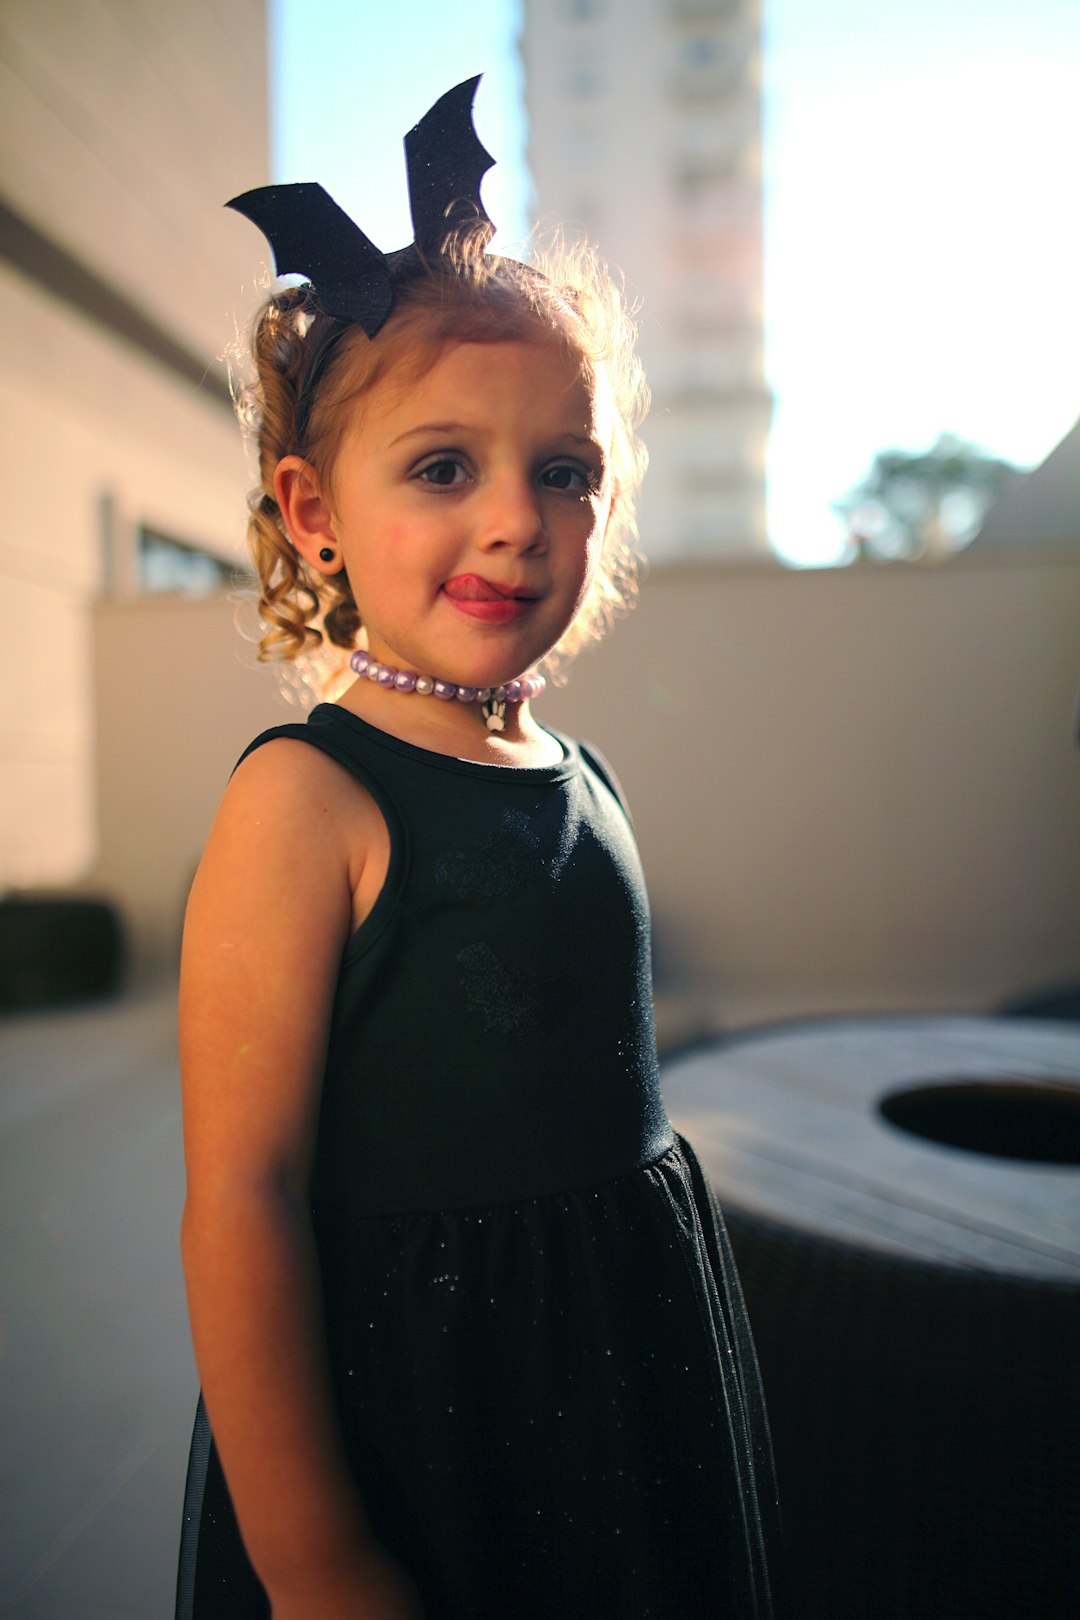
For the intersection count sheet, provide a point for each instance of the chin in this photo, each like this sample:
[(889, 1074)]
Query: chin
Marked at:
[(495, 674), (494, 666)]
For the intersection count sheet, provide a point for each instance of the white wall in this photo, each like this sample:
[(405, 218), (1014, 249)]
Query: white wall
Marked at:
[(854, 790)]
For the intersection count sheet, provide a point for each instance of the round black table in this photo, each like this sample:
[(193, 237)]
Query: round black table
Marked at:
[(903, 1197)]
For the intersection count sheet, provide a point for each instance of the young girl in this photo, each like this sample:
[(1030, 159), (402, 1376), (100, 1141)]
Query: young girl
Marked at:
[(470, 1338)]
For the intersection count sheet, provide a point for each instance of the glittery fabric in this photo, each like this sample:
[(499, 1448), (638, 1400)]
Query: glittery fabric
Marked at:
[(541, 1359)]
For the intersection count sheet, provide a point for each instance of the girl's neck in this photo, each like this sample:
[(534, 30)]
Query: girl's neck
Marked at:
[(456, 729)]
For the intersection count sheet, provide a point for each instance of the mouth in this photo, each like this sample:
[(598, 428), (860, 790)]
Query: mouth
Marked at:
[(472, 588), (485, 600)]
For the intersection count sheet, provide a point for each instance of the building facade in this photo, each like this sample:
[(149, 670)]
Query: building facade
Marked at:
[(125, 125), (645, 135)]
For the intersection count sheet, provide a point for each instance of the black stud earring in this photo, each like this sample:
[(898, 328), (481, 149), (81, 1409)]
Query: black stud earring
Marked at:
[(327, 554)]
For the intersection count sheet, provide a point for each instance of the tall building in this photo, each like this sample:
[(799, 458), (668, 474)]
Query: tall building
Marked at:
[(125, 125), (645, 134)]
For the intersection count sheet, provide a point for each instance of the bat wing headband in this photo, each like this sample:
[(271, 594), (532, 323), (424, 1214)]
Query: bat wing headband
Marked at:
[(352, 280)]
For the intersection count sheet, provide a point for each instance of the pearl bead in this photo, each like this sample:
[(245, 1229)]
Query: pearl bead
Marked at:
[(404, 680)]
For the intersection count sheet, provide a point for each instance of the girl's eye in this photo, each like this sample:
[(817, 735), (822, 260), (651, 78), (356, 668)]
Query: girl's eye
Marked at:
[(565, 476), (443, 473)]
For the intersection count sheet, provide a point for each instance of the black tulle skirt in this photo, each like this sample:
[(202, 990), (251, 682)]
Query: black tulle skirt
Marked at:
[(552, 1409)]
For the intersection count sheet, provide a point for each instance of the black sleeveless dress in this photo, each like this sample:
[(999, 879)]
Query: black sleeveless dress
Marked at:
[(541, 1358)]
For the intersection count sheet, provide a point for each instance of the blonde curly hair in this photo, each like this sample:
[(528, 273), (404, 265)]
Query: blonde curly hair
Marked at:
[(467, 296)]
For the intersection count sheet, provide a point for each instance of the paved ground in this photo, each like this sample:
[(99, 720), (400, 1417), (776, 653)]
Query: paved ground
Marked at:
[(97, 1381)]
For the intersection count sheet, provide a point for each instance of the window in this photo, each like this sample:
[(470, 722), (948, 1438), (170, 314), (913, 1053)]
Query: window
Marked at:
[(699, 11), (699, 180), (165, 564), (706, 66)]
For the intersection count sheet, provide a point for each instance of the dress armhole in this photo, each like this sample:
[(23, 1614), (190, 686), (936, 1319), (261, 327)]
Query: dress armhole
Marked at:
[(359, 941), (600, 765)]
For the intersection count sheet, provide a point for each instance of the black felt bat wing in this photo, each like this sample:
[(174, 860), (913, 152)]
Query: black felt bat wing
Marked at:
[(311, 236), (446, 163)]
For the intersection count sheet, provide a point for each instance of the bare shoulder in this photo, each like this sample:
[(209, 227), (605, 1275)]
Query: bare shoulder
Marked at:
[(290, 797), (291, 777), (270, 911), (275, 876)]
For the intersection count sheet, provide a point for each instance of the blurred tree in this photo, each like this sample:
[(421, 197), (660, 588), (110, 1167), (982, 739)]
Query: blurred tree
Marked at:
[(927, 503)]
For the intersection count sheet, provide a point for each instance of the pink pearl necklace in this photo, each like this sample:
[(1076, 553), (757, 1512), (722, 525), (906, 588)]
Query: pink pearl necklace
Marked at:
[(492, 698)]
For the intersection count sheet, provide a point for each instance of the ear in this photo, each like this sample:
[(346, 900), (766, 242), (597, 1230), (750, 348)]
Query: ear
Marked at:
[(306, 514)]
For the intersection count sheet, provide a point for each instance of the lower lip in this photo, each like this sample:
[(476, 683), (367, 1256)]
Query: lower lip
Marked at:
[(501, 610)]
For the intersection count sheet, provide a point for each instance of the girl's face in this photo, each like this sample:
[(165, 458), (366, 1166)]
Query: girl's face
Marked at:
[(470, 509)]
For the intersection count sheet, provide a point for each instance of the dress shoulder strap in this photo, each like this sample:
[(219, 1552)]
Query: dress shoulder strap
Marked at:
[(293, 729), (340, 746)]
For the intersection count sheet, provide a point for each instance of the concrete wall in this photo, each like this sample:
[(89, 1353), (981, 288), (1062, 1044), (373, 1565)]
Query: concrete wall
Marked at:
[(179, 696), (104, 442), (854, 790), (125, 125)]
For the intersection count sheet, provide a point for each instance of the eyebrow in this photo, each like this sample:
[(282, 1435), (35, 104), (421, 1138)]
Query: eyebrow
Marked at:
[(430, 427), (464, 427)]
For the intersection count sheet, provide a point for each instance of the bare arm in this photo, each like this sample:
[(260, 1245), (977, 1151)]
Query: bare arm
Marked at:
[(269, 914)]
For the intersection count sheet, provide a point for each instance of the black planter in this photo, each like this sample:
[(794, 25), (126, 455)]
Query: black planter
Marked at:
[(57, 949), (903, 1198)]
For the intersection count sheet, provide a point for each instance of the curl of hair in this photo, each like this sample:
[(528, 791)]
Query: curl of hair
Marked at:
[(563, 293)]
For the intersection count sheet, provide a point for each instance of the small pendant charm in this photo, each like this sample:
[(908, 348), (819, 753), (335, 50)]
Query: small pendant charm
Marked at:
[(494, 713)]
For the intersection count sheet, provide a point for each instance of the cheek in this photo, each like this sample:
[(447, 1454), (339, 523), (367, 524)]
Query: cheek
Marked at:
[(589, 554), (386, 550), (602, 515)]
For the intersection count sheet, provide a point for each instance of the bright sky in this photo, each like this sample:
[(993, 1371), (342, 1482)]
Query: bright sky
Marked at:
[(921, 222)]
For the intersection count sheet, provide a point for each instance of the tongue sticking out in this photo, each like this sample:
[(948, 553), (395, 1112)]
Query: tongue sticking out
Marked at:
[(471, 588)]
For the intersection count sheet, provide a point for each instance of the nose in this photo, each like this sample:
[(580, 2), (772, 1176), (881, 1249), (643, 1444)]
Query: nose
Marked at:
[(512, 516)]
